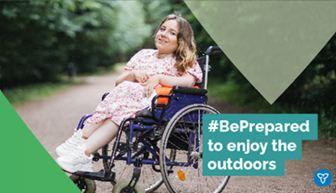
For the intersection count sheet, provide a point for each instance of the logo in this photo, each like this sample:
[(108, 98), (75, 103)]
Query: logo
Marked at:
[(322, 177)]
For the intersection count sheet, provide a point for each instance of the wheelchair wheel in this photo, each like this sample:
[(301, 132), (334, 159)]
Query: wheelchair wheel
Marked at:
[(121, 185), (85, 185), (181, 135), (149, 178)]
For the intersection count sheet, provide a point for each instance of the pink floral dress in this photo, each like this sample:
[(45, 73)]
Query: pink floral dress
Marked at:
[(124, 100)]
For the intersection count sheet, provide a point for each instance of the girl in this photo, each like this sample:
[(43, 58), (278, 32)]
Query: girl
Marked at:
[(173, 63)]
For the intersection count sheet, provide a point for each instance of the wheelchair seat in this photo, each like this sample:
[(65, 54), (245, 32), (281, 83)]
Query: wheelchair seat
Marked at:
[(144, 113)]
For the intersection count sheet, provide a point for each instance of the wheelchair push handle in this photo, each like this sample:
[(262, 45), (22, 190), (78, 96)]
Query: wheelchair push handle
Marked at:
[(207, 67), (212, 49)]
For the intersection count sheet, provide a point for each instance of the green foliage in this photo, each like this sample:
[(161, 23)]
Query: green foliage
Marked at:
[(314, 90), (41, 38), (124, 37)]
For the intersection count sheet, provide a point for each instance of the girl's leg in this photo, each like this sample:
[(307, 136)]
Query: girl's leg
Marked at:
[(101, 136), (80, 159), (88, 130)]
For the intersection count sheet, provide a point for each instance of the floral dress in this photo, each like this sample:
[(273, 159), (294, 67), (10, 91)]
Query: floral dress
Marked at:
[(124, 100)]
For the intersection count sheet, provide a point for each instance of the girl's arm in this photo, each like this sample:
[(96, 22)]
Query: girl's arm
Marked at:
[(126, 75), (186, 80), (134, 76)]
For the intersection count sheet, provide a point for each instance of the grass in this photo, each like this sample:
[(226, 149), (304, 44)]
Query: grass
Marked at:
[(34, 92), (21, 95)]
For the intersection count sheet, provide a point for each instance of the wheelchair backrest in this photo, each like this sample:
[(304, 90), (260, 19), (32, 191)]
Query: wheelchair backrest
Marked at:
[(201, 61)]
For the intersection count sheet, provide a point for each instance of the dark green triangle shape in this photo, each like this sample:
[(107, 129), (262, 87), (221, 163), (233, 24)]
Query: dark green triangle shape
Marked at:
[(25, 165)]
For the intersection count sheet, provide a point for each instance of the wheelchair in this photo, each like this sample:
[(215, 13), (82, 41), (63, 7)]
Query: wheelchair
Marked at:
[(159, 146)]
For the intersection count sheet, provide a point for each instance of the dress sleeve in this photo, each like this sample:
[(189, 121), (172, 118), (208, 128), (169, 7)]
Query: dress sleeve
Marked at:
[(132, 64), (196, 72)]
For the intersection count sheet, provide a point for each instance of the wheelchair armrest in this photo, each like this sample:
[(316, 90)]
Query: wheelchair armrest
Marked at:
[(155, 100), (162, 106), (189, 90), (175, 89), (171, 97)]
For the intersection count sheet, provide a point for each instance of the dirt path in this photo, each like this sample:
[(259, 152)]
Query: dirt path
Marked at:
[(52, 121)]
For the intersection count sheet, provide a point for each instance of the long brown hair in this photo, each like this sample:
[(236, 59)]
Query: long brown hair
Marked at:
[(186, 50)]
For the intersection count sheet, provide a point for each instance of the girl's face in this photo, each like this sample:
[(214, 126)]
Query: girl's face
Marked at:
[(166, 37)]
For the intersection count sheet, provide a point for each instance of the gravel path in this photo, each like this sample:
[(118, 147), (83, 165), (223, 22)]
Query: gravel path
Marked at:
[(52, 121)]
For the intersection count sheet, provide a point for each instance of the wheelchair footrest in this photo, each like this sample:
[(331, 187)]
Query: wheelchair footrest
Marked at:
[(102, 175)]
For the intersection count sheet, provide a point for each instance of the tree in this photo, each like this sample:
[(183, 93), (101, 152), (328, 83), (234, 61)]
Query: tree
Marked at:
[(40, 38)]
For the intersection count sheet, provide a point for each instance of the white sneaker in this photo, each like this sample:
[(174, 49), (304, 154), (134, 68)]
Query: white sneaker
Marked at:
[(76, 162), (73, 142)]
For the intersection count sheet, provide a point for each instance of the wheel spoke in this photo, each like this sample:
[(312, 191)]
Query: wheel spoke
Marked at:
[(190, 133)]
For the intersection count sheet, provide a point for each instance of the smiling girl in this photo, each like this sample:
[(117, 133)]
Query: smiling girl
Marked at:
[(172, 63)]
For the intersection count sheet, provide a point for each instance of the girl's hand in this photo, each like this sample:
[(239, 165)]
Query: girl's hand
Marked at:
[(140, 76), (152, 82)]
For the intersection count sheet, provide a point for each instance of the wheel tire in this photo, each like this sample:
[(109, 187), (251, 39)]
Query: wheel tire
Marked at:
[(150, 179), (118, 188), (84, 184), (179, 178)]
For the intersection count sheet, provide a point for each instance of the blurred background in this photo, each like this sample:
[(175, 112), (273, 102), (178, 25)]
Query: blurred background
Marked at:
[(42, 42)]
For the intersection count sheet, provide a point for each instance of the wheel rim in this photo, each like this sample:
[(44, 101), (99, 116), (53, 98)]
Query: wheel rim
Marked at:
[(187, 178), (150, 179)]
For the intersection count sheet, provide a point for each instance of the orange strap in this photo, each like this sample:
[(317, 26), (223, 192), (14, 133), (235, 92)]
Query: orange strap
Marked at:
[(164, 91)]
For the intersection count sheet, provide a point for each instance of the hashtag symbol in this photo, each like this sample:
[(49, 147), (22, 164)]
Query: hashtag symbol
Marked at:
[(213, 126)]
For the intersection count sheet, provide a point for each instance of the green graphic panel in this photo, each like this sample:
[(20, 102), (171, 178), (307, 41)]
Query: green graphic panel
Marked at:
[(270, 42), (25, 165)]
